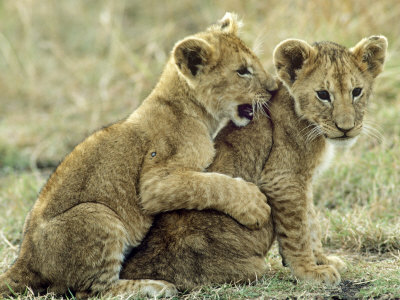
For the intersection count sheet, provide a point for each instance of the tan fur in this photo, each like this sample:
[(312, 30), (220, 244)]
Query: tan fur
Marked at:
[(100, 201), (196, 248)]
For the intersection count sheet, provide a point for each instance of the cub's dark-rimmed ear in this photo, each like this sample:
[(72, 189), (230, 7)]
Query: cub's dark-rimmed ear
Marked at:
[(371, 52), (192, 55), (230, 23), (289, 56)]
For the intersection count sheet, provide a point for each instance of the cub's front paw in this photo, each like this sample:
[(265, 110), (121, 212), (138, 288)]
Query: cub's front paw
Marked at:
[(326, 274), (253, 211), (335, 261)]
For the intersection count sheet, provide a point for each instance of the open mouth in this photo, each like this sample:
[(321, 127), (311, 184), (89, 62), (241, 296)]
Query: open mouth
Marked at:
[(246, 111)]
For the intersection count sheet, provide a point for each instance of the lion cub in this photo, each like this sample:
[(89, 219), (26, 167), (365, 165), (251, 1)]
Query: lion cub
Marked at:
[(101, 200), (323, 93)]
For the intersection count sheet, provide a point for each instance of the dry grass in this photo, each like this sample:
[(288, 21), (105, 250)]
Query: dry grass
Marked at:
[(70, 67)]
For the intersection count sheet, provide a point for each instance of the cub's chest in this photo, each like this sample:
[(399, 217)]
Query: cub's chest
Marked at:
[(324, 160)]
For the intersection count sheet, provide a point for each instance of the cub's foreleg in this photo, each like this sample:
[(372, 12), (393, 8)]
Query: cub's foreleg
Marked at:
[(163, 191), (289, 202), (316, 245)]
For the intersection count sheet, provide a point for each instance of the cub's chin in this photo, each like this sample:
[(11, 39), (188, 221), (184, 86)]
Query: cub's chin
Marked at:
[(345, 142)]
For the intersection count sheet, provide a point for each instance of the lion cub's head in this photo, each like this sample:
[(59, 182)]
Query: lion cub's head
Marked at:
[(222, 72), (330, 83)]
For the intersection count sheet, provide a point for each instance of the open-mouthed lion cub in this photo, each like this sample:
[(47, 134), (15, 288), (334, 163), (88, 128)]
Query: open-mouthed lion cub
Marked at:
[(100, 201), (321, 102)]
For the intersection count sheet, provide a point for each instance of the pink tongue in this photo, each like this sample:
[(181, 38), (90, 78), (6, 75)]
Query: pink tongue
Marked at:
[(245, 111)]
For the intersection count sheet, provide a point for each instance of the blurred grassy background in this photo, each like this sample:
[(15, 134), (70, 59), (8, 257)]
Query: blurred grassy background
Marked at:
[(69, 67)]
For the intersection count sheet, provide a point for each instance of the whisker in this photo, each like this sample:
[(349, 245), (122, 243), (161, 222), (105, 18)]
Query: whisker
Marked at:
[(308, 126), (318, 133), (313, 133), (258, 45), (308, 133), (372, 127), (373, 123), (307, 129), (256, 110), (377, 131), (254, 107), (258, 106), (310, 136), (372, 132)]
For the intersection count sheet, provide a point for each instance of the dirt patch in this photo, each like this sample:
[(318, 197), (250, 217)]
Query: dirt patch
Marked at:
[(347, 289)]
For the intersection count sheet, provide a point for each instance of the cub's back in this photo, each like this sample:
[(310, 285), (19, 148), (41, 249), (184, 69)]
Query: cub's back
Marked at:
[(104, 168)]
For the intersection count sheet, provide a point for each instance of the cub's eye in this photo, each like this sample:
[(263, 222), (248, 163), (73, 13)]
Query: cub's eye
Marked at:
[(356, 92), (244, 71), (324, 96)]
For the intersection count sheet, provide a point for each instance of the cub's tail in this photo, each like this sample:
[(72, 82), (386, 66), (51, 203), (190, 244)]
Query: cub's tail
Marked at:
[(17, 280)]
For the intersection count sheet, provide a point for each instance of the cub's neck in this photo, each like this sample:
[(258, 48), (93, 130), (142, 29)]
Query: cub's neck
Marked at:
[(290, 132)]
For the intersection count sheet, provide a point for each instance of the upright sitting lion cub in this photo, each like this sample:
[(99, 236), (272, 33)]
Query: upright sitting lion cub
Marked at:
[(100, 201), (323, 94)]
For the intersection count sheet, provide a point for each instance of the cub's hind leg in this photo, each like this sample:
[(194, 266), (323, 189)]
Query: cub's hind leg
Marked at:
[(83, 249), (18, 278), (144, 287), (315, 233)]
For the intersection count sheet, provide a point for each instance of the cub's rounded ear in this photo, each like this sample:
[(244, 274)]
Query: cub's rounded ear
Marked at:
[(371, 52), (230, 23), (289, 57), (191, 55)]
